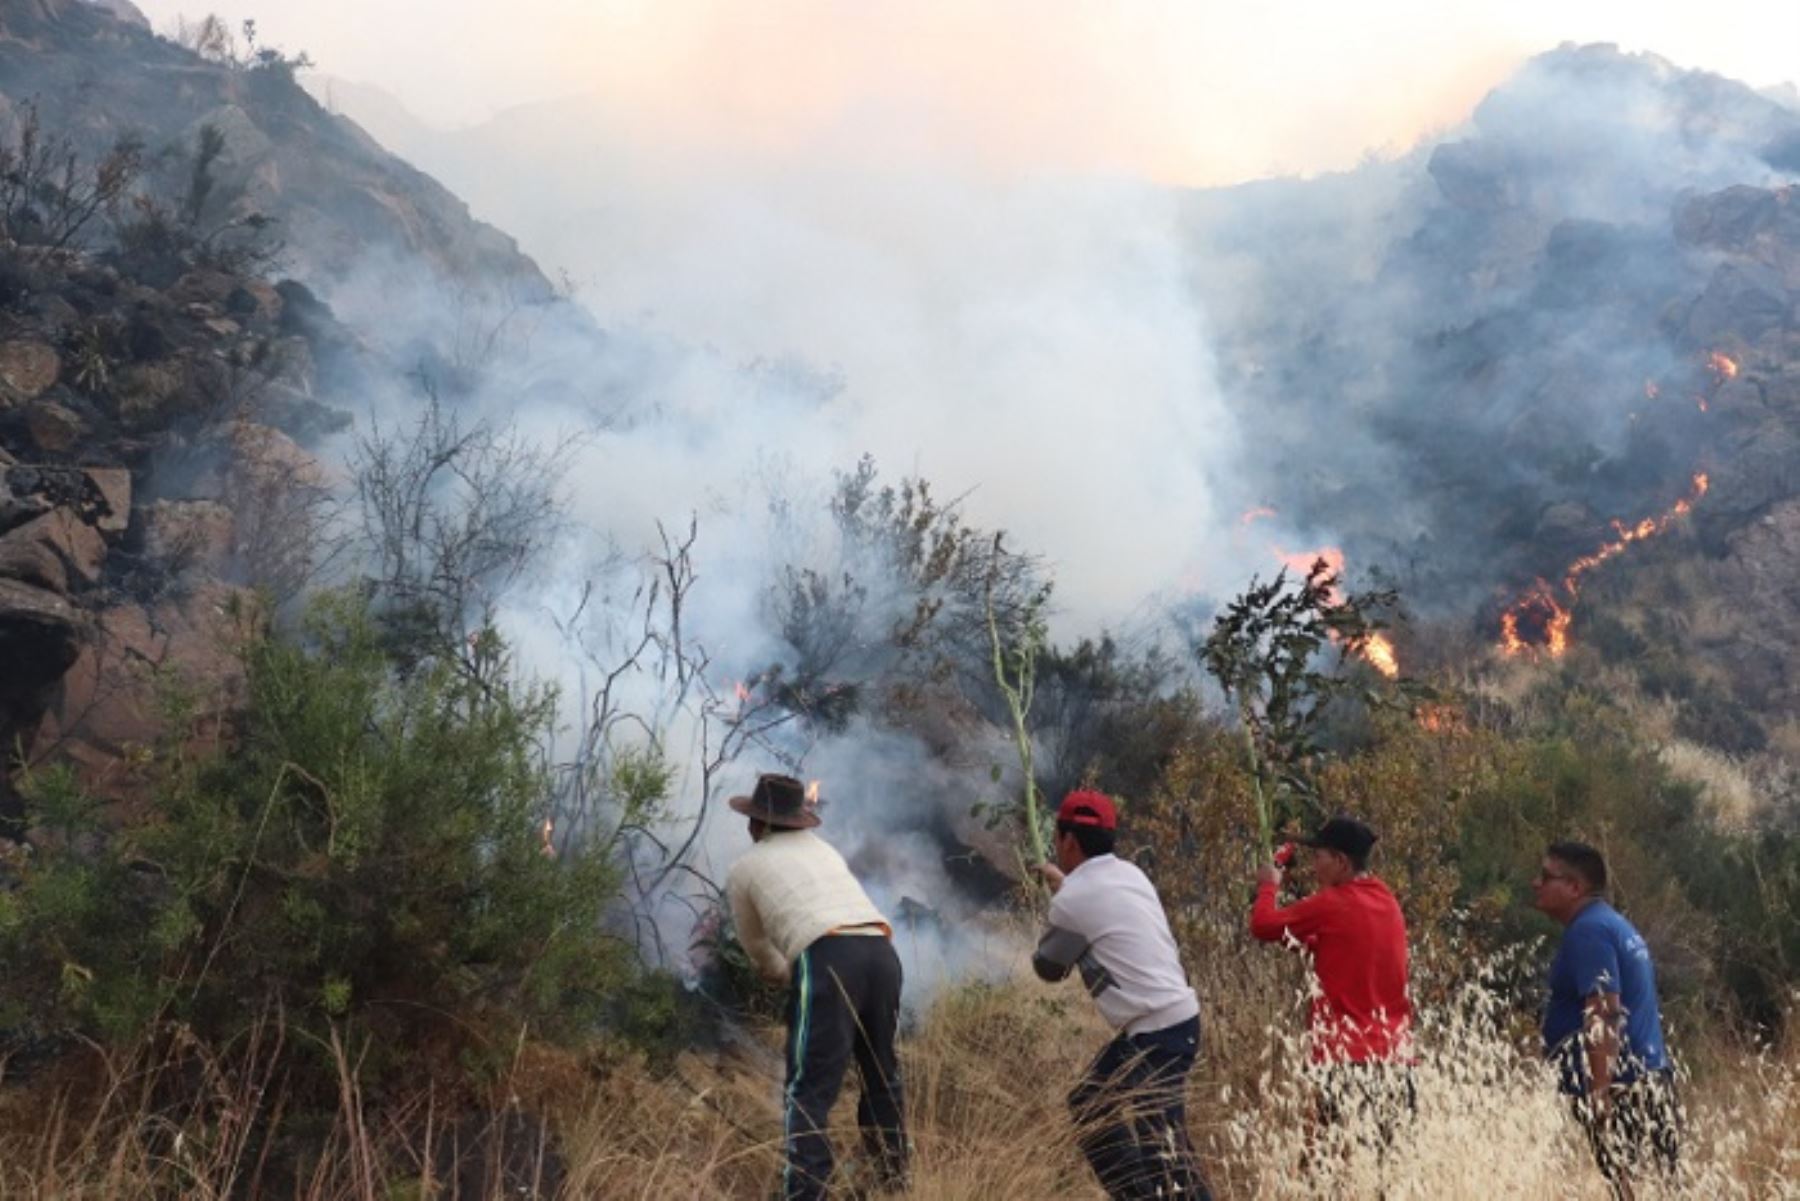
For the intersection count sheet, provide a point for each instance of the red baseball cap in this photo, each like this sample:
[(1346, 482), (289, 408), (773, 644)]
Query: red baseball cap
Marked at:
[(1085, 807)]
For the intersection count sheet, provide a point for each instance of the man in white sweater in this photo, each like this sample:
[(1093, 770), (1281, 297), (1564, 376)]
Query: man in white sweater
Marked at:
[(802, 917), (1107, 921)]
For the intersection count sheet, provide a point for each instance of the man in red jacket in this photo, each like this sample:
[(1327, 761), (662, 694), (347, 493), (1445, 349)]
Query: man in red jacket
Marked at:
[(1361, 1025)]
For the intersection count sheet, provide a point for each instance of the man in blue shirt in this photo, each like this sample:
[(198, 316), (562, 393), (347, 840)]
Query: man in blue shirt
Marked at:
[(1601, 1024)]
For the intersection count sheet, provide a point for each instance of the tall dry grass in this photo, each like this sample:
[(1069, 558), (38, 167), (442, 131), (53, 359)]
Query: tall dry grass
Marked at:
[(988, 1068)]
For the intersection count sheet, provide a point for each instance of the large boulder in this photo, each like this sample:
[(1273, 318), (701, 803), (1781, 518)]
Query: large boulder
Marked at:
[(110, 702), (76, 547), (27, 369)]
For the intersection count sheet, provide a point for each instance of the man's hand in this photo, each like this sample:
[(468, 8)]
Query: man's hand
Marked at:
[(1051, 875), (1268, 873)]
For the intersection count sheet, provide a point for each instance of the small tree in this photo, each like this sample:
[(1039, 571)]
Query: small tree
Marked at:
[(1265, 651)]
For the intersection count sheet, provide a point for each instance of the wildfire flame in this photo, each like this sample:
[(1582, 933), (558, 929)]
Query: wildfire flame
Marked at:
[(547, 838), (1723, 364), (1378, 652), (1539, 619), (1439, 719), (1252, 516), (812, 794), (1536, 619)]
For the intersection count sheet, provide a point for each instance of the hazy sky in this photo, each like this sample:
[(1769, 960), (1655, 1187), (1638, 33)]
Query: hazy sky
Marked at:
[(1185, 91)]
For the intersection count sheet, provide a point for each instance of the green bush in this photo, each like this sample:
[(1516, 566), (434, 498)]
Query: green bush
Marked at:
[(367, 854)]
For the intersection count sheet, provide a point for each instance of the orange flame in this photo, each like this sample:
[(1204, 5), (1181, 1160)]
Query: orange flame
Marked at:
[(1439, 719), (1538, 619), (1378, 652), (547, 838), (1252, 516), (1723, 364), (812, 794)]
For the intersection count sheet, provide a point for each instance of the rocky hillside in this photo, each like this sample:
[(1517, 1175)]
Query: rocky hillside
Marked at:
[(338, 196), (150, 467)]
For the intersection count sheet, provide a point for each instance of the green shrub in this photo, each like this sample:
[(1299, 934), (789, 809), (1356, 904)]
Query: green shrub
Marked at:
[(367, 854)]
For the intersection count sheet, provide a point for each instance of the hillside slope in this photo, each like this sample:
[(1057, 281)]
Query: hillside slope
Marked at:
[(339, 197)]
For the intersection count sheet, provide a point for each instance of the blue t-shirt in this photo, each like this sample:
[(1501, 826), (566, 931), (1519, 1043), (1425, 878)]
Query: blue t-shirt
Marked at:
[(1602, 952)]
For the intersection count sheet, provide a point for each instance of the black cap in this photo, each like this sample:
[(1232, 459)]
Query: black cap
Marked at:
[(1344, 834)]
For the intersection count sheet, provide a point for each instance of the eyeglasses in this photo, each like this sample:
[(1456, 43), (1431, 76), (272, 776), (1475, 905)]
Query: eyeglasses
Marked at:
[(1544, 877)]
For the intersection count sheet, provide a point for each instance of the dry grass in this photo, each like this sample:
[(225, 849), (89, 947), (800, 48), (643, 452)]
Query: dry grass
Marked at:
[(987, 1072), (1732, 797), (989, 1069)]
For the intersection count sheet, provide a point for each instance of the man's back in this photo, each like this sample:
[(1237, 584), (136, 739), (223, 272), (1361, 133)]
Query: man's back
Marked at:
[(790, 889), (1114, 907), (1357, 936)]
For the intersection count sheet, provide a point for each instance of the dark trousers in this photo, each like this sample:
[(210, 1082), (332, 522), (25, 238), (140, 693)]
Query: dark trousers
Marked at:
[(1643, 1123), (843, 1005), (1131, 1115), (1372, 1101)]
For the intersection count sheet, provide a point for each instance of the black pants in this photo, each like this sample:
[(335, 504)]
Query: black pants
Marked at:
[(843, 1004), (1131, 1115), (1372, 1101), (1642, 1123)]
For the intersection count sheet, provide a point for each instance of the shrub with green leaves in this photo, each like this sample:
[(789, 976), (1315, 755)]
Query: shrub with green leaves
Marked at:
[(368, 852)]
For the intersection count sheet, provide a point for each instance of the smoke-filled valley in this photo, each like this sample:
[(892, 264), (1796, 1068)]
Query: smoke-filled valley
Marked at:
[(350, 547)]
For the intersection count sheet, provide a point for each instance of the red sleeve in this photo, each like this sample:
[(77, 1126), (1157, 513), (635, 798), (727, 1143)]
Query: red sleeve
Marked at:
[(1303, 919)]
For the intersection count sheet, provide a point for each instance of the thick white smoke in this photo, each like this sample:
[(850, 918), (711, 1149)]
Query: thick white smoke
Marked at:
[(1036, 343)]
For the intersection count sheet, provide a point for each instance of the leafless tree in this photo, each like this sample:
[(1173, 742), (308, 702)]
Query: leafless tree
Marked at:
[(643, 682), (48, 196), (451, 515)]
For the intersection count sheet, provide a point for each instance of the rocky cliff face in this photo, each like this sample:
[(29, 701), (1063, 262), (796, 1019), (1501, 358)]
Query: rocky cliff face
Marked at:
[(149, 471)]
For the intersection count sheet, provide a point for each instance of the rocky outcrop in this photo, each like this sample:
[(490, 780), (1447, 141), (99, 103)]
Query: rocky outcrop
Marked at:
[(108, 705), (123, 10), (151, 473)]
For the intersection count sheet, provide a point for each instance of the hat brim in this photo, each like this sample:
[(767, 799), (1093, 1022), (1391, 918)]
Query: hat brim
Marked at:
[(804, 820)]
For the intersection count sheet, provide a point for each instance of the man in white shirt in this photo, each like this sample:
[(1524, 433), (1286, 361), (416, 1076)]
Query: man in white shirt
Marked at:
[(802, 917), (1107, 921)]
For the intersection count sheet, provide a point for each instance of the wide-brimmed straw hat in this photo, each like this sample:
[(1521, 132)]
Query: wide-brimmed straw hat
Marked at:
[(778, 800)]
